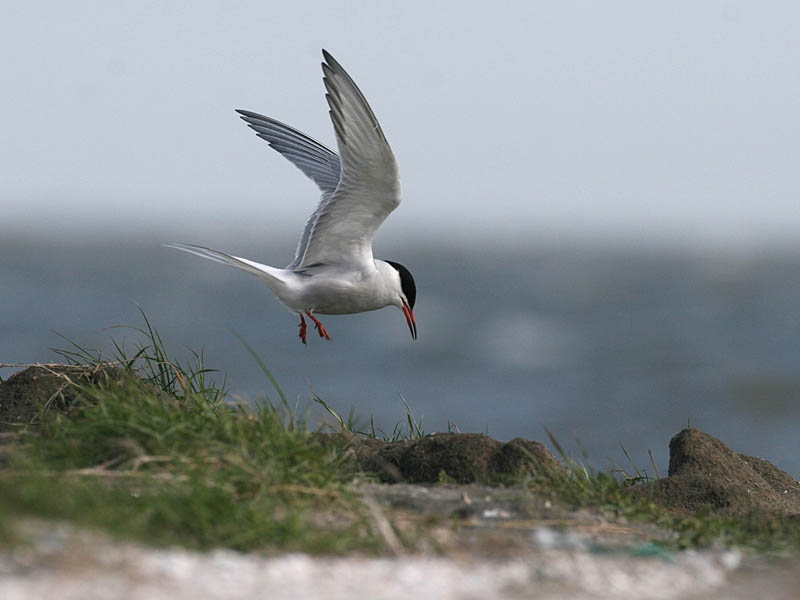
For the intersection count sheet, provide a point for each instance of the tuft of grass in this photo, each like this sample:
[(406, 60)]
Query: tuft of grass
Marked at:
[(633, 475), (151, 361), (352, 426)]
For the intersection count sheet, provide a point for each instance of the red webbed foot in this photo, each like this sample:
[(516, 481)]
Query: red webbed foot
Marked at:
[(323, 333), (303, 329)]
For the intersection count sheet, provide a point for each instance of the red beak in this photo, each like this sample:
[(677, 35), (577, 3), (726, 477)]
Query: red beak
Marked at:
[(412, 322)]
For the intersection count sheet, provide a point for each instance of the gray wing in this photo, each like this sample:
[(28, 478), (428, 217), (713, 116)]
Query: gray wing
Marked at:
[(343, 225), (318, 162)]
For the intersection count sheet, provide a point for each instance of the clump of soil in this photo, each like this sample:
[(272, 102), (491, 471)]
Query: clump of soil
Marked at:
[(703, 471), (27, 393), (453, 457)]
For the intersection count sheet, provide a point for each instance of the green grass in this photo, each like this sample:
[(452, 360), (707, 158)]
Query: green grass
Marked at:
[(149, 359), (411, 430), (186, 472)]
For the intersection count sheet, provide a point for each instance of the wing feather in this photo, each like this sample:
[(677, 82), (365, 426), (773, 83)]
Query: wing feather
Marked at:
[(318, 162)]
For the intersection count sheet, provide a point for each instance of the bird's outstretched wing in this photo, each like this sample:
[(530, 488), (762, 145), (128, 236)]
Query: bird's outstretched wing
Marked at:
[(342, 228), (360, 187)]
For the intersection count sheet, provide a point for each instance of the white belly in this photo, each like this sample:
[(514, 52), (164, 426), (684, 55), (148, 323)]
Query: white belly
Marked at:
[(333, 295)]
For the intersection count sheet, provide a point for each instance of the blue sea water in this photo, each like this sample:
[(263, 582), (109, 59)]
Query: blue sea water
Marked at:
[(601, 345)]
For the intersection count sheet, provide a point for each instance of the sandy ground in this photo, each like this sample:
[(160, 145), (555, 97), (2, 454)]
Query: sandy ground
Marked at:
[(64, 563)]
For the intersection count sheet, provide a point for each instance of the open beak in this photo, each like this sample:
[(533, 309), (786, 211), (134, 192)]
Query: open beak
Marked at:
[(412, 322)]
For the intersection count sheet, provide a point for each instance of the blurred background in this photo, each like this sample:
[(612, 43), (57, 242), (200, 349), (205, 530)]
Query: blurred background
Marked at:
[(600, 207)]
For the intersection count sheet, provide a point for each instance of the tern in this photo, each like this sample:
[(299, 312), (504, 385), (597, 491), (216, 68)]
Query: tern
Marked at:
[(334, 271)]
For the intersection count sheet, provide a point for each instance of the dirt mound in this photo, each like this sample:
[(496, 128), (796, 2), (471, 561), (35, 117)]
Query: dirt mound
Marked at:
[(453, 457), (42, 387), (703, 471)]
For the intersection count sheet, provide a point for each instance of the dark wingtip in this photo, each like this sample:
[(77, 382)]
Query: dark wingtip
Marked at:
[(330, 62), (248, 114), (244, 115)]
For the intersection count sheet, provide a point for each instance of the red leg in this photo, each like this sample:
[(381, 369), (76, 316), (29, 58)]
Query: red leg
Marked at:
[(320, 327), (302, 328)]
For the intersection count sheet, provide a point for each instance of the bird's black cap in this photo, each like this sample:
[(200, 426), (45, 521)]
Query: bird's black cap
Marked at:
[(406, 282)]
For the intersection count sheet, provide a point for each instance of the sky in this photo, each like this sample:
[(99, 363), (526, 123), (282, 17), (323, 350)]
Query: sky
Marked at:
[(516, 121)]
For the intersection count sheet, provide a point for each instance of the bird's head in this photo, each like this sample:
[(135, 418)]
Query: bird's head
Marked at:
[(407, 296)]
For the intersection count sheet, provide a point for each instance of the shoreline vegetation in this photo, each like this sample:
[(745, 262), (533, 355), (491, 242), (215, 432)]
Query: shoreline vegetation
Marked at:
[(148, 449)]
